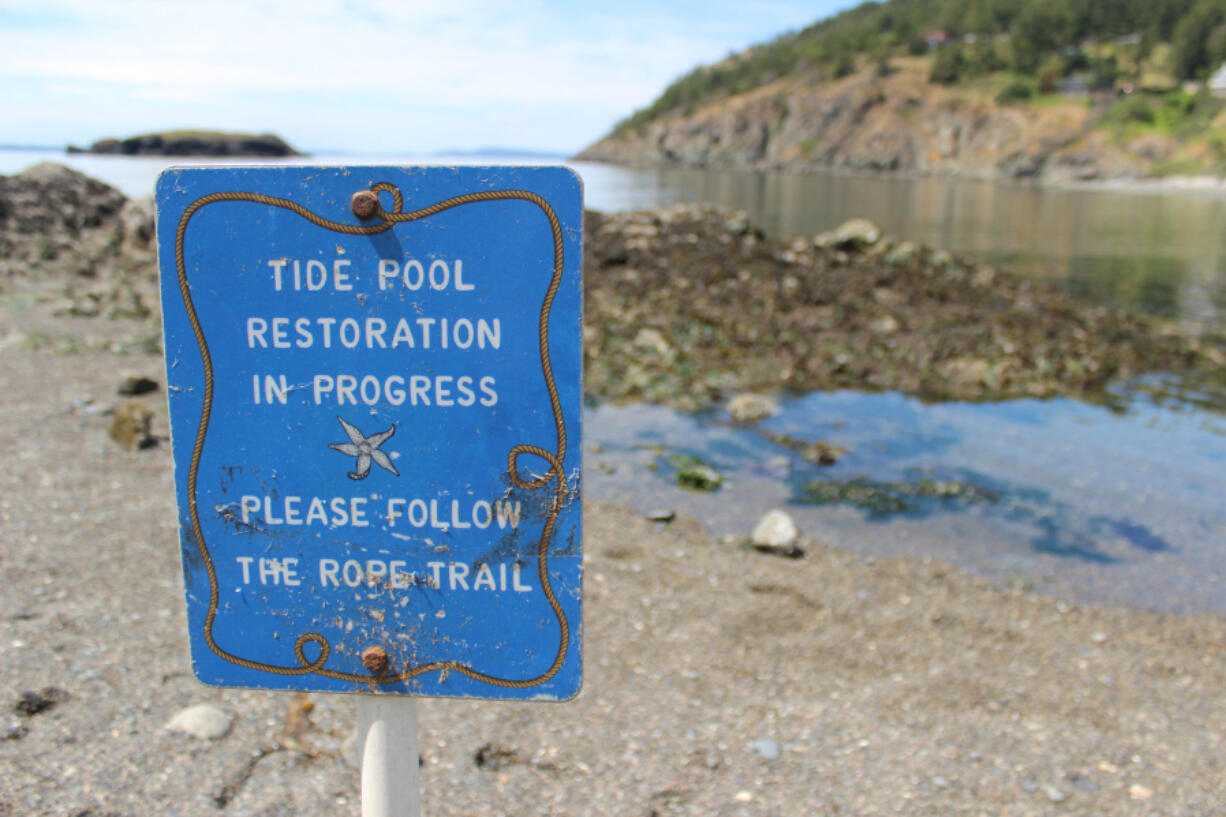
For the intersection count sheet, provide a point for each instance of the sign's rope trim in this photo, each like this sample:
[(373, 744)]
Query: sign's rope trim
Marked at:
[(386, 221)]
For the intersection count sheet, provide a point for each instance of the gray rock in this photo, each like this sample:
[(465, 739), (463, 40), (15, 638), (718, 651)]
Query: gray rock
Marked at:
[(699, 476), (1054, 794), (904, 253), (652, 340), (203, 721), (136, 384), (775, 530), (35, 703), (766, 748), (853, 234), (136, 220), (661, 515), (131, 426), (750, 408), (737, 224)]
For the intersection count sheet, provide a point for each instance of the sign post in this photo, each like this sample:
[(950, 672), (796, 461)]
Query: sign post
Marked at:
[(387, 738), (375, 405)]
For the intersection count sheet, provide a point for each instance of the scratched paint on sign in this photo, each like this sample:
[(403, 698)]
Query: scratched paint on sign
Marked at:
[(376, 425)]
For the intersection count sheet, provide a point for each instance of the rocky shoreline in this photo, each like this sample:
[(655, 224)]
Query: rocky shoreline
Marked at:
[(690, 305), (847, 309)]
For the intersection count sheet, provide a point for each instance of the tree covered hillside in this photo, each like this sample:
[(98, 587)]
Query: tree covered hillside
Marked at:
[(1036, 44)]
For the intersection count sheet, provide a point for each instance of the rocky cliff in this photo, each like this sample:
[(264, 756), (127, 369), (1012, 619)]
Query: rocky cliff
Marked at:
[(899, 122)]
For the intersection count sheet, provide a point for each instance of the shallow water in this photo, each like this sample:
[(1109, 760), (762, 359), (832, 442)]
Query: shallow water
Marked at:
[(1097, 505)]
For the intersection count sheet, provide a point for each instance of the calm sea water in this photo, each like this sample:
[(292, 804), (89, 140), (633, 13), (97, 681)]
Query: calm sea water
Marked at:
[(1118, 506), (1161, 253)]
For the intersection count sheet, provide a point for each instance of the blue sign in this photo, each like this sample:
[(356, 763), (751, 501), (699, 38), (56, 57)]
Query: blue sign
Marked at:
[(375, 404)]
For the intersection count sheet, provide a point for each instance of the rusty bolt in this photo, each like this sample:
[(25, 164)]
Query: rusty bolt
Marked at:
[(364, 203), (375, 660)]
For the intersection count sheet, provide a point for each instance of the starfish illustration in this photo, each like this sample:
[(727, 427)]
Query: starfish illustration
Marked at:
[(365, 449)]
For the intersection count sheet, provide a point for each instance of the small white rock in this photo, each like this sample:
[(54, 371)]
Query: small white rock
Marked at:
[(1138, 792), (652, 340), (766, 748), (1054, 794), (202, 721), (749, 408), (775, 530), (853, 234)]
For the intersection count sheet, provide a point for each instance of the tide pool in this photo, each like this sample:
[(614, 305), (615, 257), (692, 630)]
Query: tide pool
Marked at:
[(1120, 505)]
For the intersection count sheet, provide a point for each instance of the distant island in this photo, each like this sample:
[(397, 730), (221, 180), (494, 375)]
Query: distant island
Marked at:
[(191, 143)]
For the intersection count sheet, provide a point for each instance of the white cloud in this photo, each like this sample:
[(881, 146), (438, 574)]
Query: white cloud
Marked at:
[(527, 62)]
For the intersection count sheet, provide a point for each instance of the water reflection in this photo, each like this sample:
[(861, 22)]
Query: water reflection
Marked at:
[(1118, 506)]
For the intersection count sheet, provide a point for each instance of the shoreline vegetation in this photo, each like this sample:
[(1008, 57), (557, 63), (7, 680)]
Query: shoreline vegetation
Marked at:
[(191, 143), (718, 679)]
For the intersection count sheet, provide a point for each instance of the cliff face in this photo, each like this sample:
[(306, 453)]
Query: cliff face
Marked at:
[(900, 122)]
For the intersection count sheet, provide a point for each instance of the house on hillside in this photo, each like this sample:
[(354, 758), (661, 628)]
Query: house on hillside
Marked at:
[(935, 39), (1217, 83)]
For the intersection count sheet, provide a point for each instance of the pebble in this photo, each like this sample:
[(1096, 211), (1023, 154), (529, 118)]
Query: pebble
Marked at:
[(1138, 792), (661, 515), (853, 234), (202, 721), (750, 408), (652, 340), (130, 427), (700, 477), (903, 253), (775, 530), (133, 385), (34, 703), (1054, 794), (766, 748)]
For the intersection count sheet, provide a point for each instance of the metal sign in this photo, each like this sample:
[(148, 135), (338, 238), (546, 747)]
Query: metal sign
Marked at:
[(375, 404)]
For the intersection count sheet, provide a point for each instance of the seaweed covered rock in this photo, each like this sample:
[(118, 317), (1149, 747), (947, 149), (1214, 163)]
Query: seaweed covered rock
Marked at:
[(78, 240), (851, 309)]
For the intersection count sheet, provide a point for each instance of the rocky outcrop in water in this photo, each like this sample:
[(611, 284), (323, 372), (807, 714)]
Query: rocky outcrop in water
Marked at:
[(192, 143)]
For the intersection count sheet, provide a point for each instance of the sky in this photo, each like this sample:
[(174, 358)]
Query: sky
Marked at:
[(362, 76)]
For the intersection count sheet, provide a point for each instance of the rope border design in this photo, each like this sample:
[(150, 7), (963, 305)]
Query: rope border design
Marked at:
[(387, 220)]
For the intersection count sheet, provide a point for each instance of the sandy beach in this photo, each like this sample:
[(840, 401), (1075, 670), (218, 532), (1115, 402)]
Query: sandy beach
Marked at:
[(719, 680)]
